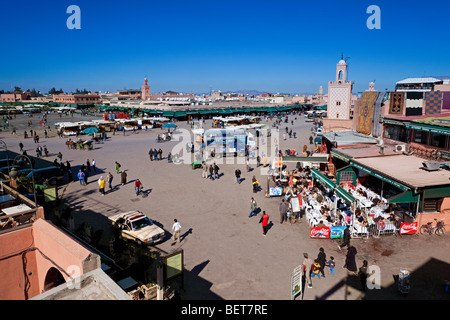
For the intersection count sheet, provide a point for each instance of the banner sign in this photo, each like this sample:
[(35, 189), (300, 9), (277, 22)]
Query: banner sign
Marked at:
[(275, 191), (295, 203), (296, 281), (336, 232), (409, 228), (320, 232)]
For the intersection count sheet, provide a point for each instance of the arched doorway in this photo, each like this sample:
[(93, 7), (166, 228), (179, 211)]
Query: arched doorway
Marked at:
[(53, 279)]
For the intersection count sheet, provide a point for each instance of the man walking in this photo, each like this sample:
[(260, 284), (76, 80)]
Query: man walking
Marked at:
[(93, 165), (265, 222), (150, 153), (307, 262), (176, 228), (346, 238), (137, 186), (101, 184), (216, 171), (237, 173), (205, 170), (283, 211), (80, 176), (253, 207), (109, 179)]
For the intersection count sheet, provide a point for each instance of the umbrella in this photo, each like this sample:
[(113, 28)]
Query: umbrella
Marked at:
[(169, 125), (90, 130)]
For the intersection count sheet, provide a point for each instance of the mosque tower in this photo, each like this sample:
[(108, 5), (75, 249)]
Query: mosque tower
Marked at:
[(145, 90)]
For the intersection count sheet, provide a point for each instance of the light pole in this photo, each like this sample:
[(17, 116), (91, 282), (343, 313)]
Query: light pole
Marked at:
[(5, 147), (32, 175)]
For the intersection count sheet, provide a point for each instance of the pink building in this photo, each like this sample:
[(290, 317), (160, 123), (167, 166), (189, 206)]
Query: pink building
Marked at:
[(76, 98)]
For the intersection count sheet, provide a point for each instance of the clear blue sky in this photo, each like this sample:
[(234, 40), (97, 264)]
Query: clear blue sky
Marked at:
[(195, 45)]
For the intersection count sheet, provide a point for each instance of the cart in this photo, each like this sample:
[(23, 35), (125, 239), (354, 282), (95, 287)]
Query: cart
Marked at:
[(196, 164), (403, 281)]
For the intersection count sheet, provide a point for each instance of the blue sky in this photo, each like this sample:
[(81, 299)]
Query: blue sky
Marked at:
[(196, 45)]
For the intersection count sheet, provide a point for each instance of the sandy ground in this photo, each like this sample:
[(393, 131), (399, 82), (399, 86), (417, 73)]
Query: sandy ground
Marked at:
[(226, 255)]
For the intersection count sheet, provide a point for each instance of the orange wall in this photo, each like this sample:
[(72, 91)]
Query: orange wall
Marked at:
[(61, 249), (12, 277)]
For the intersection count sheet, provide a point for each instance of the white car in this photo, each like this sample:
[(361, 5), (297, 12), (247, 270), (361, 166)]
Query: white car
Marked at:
[(135, 225)]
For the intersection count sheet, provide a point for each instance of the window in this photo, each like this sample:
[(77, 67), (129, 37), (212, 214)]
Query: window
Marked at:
[(438, 140), (430, 205), (338, 103), (421, 137)]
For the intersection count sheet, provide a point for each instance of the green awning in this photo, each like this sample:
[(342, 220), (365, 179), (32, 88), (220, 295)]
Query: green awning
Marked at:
[(341, 192), (404, 197), (179, 114), (340, 156), (441, 192), (324, 180), (379, 176), (391, 121), (428, 128), (168, 113)]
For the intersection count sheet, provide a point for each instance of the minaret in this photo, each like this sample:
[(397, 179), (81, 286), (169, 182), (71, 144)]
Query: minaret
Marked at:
[(340, 93), (145, 90)]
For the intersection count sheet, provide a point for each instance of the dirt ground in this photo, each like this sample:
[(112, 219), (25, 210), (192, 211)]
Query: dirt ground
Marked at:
[(226, 255)]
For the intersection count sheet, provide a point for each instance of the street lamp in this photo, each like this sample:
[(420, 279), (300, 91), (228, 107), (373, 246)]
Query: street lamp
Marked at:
[(5, 147), (14, 174)]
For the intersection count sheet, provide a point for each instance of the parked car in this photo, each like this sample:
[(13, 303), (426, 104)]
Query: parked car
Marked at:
[(136, 226)]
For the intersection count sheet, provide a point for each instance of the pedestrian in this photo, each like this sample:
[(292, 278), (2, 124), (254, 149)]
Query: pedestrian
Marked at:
[(109, 179), (160, 152), (315, 269), (60, 157), (80, 176), (258, 161), (363, 274), (307, 263), (88, 165), (93, 165), (150, 153), (255, 184), (155, 154), (265, 222), (253, 207), (211, 172), (123, 178), (205, 170), (117, 167), (101, 184), (331, 264), (137, 186), (86, 175), (69, 175), (237, 173), (216, 171), (176, 228), (283, 211), (350, 260), (21, 146), (346, 238), (322, 259), (169, 157), (247, 164)]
